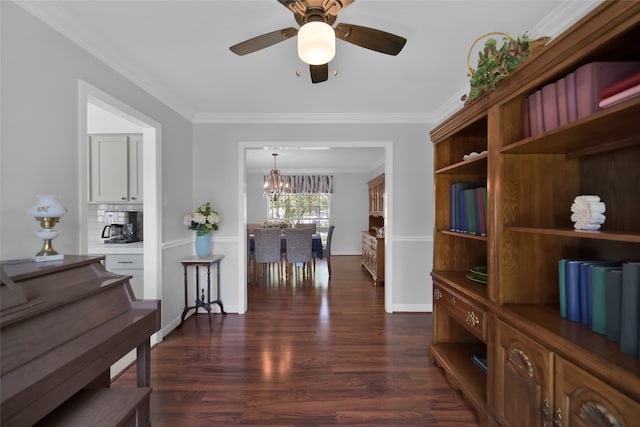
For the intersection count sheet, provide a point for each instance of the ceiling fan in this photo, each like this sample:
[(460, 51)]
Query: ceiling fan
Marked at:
[(316, 36)]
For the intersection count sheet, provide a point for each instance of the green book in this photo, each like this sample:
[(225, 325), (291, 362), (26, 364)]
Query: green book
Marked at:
[(598, 297), (562, 287), (471, 204)]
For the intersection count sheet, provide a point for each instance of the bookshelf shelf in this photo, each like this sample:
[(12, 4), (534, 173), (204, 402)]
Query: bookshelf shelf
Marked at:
[(464, 235), (535, 357), (472, 165), (571, 336), (456, 360), (458, 281), (580, 234), (594, 134)]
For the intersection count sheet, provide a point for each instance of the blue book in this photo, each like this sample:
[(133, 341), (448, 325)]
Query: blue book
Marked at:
[(585, 293), (586, 300), (613, 301), (455, 214), (573, 289), (630, 310), (462, 213)]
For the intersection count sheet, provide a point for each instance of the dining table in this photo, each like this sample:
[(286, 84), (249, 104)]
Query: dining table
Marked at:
[(316, 244)]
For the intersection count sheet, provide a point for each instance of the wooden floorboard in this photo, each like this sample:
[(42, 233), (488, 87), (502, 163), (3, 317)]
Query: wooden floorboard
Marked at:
[(309, 353)]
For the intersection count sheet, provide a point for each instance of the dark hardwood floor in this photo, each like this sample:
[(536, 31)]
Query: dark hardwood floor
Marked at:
[(309, 353)]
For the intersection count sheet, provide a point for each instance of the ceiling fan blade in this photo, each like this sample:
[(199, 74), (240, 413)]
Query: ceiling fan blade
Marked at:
[(265, 40), (319, 73), (370, 38)]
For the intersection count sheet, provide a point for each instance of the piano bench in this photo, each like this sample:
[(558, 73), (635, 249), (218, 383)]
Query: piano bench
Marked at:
[(102, 407)]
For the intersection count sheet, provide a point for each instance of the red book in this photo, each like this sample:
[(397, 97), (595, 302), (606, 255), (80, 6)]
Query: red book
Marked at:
[(526, 124), (572, 100), (550, 107), (563, 107), (620, 85), (591, 78), (632, 92), (536, 120)]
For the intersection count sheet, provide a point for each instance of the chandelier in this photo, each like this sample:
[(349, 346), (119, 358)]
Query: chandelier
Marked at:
[(274, 185)]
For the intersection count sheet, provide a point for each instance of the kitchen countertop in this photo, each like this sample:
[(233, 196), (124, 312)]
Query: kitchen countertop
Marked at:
[(113, 249)]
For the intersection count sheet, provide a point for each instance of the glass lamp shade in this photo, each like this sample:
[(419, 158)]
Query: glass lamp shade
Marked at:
[(48, 206), (316, 43), (48, 210)]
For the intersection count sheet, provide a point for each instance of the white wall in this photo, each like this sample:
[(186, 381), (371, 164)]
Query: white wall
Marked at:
[(216, 160), (39, 79), (39, 141), (348, 208)]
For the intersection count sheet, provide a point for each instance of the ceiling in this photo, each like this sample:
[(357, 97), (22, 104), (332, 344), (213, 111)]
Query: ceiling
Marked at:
[(178, 50)]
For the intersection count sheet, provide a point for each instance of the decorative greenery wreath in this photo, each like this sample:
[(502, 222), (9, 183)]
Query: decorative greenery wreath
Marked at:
[(496, 63)]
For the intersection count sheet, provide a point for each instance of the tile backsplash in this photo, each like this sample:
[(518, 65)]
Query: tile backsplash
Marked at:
[(95, 222)]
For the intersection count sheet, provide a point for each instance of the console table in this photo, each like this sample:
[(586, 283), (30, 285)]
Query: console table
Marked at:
[(202, 301)]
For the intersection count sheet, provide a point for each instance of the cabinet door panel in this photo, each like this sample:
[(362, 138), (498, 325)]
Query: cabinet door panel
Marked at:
[(109, 168), (584, 400), (522, 379), (135, 168)]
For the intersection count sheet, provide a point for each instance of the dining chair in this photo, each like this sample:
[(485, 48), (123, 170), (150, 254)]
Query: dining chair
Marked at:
[(312, 226), (327, 250), (298, 249), (267, 249)]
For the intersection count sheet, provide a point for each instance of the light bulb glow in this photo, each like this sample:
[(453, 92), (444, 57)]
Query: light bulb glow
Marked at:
[(316, 43)]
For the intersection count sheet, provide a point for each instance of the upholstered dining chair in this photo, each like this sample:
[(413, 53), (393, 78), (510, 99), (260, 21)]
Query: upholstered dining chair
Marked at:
[(327, 250), (299, 249), (267, 249), (312, 226)]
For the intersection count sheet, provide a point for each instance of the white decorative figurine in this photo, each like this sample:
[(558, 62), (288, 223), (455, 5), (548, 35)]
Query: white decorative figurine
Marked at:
[(588, 213)]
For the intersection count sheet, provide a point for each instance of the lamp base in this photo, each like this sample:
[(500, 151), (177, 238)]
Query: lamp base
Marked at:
[(44, 258)]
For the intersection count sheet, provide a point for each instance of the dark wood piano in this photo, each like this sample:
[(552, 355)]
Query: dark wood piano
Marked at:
[(63, 324)]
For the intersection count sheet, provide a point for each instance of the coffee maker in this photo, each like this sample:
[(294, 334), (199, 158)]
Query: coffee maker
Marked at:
[(122, 227)]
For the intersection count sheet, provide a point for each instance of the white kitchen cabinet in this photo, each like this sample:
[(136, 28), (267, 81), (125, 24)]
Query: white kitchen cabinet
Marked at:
[(135, 167), (129, 265), (116, 168)]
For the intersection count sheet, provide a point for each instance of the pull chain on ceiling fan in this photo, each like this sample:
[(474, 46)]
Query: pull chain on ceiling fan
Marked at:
[(316, 37)]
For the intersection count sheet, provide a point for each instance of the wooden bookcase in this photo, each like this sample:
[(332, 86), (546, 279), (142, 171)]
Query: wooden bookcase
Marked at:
[(542, 369), (373, 246)]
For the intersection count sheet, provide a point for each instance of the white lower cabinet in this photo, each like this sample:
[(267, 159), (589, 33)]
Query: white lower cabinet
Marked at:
[(129, 265)]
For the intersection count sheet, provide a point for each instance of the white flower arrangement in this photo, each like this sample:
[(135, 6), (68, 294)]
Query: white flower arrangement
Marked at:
[(203, 220), (276, 224)]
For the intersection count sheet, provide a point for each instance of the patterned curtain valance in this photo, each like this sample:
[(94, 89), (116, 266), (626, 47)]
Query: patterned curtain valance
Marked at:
[(307, 183)]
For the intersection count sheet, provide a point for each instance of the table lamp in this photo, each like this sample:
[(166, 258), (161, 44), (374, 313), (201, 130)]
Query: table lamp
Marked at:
[(47, 211)]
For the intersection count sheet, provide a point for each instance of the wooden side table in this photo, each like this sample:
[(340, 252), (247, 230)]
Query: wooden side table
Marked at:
[(202, 301)]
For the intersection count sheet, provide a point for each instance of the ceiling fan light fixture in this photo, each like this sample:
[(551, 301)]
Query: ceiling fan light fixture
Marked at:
[(316, 43)]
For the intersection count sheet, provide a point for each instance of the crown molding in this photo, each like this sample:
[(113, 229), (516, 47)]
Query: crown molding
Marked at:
[(311, 118)]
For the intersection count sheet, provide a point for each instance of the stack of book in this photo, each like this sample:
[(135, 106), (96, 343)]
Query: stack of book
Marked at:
[(469, 208), (586, 90), (620, 91), (604, 296)]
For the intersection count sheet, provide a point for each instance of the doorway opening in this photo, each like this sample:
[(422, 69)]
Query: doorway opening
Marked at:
[(245, 147), (152, 185)]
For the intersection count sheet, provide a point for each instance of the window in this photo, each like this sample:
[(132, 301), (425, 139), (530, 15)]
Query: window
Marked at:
[(305, 208)]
